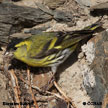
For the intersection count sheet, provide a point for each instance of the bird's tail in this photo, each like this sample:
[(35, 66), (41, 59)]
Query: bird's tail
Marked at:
[(94, 26)]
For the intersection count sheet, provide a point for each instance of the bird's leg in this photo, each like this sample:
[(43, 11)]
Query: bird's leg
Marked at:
[(54, 69), (51, 80)]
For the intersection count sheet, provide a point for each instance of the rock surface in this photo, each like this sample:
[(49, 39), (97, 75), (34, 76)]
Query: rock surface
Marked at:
[(86, 79)]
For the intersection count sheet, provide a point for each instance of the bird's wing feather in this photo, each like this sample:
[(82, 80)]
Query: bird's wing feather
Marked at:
[(62, 40)]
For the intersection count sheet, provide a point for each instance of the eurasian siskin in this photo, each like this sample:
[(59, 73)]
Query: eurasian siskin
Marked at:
[(50, 49)]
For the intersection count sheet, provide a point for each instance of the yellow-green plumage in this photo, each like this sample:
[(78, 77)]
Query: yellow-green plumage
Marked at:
[(50, 49)]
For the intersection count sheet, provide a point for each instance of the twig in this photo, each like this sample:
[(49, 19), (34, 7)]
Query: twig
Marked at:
[(35, 102), (64, 95), (47, 92), (68, 105), (105, 101), (27, 106), (44, 98), (41, 91), (16, 90)]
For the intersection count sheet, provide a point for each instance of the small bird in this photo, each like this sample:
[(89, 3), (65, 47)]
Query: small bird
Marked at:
[(50, 49)]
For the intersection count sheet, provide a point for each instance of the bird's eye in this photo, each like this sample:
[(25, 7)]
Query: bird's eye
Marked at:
[(15, 48)]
